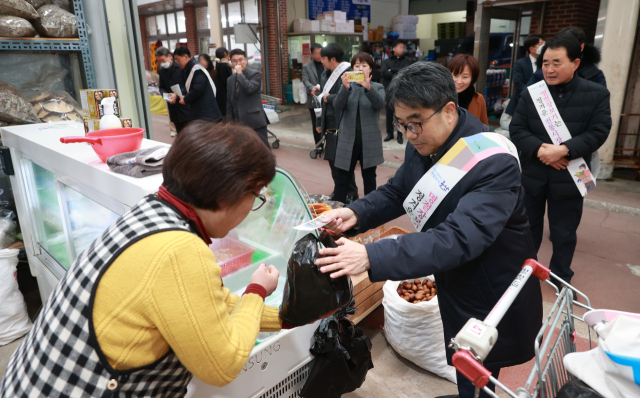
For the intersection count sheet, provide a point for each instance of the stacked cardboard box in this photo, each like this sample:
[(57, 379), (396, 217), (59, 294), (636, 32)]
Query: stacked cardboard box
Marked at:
[(305, 25)]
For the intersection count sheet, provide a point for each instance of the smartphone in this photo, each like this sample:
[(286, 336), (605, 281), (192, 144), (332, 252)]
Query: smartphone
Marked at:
[(355, 76)]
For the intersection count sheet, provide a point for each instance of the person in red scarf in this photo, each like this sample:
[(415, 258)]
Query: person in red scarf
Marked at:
[(144, 308)]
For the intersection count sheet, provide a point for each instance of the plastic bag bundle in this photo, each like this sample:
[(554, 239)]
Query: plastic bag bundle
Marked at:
[(401, 321), (18, 8), (7, 228), (56, 106), (14, 320), (14, 107), (11, 26), (56, 22), (342, 358), (308, 293)]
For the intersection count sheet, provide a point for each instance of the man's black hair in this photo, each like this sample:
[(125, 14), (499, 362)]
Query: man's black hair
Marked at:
[(422, 85), (575, 32), (395, 43), (568, 43), (333, 50), (237, 51), (532, 41), (314, 46), (182, 51)]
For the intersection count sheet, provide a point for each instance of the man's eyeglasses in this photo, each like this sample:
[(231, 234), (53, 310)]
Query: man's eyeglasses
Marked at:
[(259, 202), (237, 61), (416, 128)]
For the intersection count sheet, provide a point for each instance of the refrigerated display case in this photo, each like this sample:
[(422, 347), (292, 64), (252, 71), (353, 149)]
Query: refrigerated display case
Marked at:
[(66, 197)]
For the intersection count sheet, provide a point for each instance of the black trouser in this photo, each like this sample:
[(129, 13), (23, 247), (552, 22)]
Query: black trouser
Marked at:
[(262, 133), (466, 389), (390, 128), (343, 178), (179, 125), (317, 137), (564, 219), (353, 188)]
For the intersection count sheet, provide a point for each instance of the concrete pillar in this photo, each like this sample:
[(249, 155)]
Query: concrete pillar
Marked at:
[(481, 27), (404, 7), (192, 29), (215, 25), (145, 41), (617, 50)]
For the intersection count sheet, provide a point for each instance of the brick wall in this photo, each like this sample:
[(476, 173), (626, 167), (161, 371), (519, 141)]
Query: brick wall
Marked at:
[(561, 14), (145, 41), (272, 47), (192, 29)]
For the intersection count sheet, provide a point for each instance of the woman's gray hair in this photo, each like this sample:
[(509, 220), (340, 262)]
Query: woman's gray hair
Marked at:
[(162, 51), (422, 85)]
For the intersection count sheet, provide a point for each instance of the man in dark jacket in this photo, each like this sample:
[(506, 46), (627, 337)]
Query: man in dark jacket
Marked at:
[(390, 67), (200, 97), (332, 56), (584, 108), (474, 242), (171, 74), (524, 68), (244, 102)]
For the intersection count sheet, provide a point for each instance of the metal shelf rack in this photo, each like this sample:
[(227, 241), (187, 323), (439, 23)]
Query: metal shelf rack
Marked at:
[(81, 44)]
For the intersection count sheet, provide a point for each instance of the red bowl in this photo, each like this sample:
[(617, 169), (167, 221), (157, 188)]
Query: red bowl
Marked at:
[(107, 143)]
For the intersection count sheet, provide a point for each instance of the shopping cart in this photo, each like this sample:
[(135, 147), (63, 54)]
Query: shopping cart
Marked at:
[(271, 105), (476, 339)]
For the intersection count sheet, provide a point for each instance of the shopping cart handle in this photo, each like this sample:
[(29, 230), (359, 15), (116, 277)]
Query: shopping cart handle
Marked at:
[(539, 270), (464, 363)]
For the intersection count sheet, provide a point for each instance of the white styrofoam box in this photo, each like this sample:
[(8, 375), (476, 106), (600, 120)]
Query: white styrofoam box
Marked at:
[(342, 27), (365, 22), (408, 35), (315, 26), (301, 25), (327, 26), (324, 17), (405, 27), (338, 16), (412, 19)]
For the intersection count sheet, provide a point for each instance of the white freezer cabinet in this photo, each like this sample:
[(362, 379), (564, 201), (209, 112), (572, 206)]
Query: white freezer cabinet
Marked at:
[(66, 197)]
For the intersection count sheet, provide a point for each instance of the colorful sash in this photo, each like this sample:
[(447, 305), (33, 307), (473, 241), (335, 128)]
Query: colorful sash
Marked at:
[(559, 133), (193, 70), (436, 184)]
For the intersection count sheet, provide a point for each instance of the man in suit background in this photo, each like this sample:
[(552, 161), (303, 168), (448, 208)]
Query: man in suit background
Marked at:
[(311, 72), (170, 74), (201, 96), (524, 68), (244, 103)]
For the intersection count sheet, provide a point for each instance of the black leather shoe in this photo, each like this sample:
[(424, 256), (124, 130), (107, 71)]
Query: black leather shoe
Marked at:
[(389, 138), (400, 140)]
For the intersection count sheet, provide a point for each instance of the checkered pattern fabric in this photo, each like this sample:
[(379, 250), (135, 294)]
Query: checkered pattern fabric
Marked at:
[(60, 356)]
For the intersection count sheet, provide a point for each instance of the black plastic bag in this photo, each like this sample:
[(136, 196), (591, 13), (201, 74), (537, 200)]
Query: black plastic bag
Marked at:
[(577, 389), (342, 358), (308, 293)]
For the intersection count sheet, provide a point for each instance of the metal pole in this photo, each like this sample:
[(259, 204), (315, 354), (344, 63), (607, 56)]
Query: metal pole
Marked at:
[(542, 11), (515, 51), (282, 91)]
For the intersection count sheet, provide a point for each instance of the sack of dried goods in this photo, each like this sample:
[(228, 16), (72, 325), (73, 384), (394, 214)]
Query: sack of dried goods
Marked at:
[(412, 324), (14, 107), (56, 106), (11, 26), (56, 22), (18, 8)]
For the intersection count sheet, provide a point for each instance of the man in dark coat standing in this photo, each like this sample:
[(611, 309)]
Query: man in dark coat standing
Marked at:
[(201, 96), (311, 72), (171, 74), (244, 103), (524, 68), (475, 241), (390, 67), (584, 107)]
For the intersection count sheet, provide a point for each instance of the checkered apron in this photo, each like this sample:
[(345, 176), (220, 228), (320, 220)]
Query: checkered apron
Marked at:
[(60, 356)]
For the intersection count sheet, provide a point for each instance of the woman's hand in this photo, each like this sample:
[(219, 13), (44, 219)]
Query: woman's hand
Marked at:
[(349, 258), (266, 277), (182, 100), (340, 220), (367, 81), (345, 81)]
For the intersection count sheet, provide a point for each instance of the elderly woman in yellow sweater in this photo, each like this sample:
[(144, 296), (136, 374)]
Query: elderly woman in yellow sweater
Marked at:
[(144, 307)]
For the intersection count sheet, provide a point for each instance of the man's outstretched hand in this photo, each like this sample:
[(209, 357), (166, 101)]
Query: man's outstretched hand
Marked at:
[(340, 220)]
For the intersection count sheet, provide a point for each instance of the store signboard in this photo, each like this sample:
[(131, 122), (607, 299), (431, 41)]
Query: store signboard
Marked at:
[(353, 8)]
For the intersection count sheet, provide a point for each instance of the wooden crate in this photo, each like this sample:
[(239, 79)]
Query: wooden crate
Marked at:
[(368, 295)]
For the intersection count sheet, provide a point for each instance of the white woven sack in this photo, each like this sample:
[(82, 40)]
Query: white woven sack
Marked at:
[(415, 331), (14, 320)]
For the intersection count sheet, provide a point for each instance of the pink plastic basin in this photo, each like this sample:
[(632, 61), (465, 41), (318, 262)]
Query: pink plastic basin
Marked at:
[(231, 255), (107, 143)]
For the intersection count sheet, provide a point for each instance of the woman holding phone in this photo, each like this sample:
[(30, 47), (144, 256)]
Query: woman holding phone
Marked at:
[(359, 135)]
